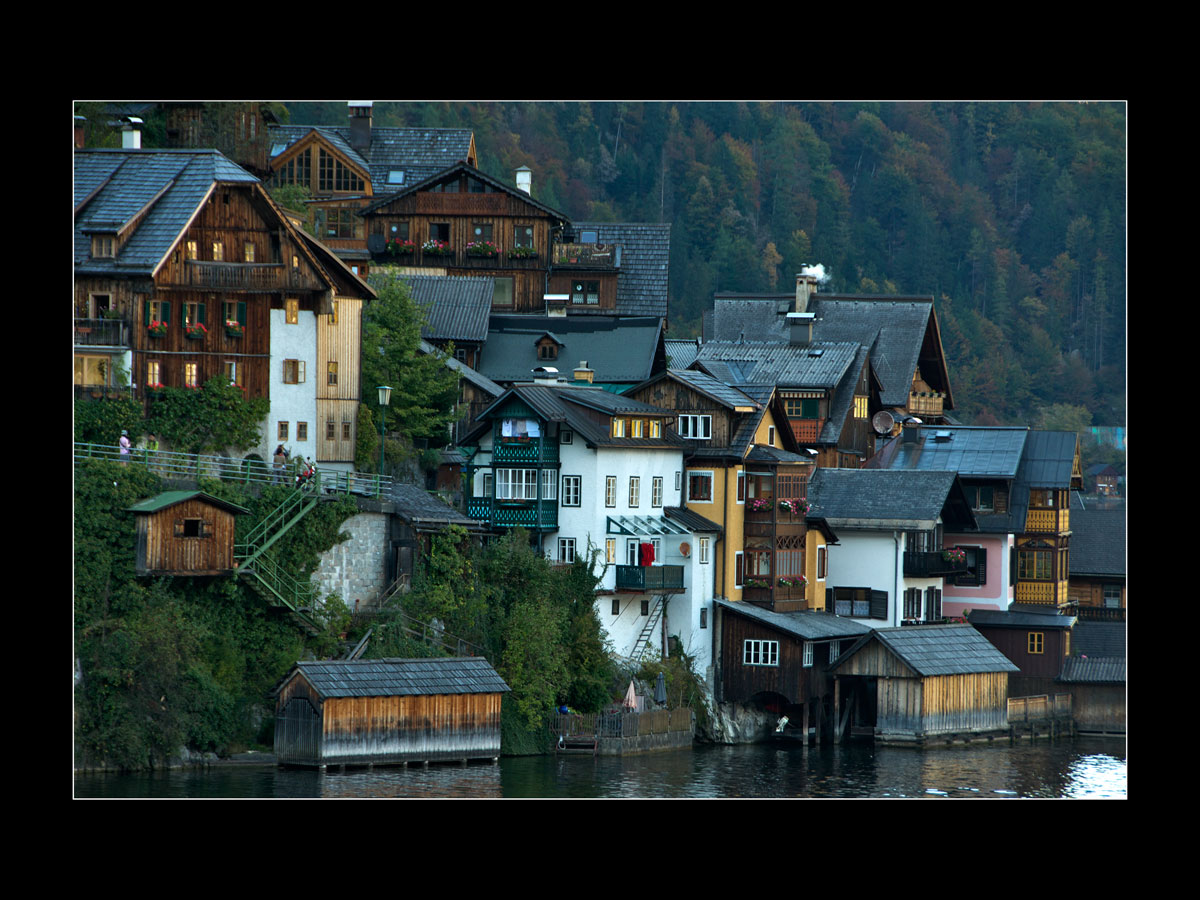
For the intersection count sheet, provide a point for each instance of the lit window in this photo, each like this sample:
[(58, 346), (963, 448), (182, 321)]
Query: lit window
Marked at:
[(248, 251), (860, 407), (153, 374), (193, 249), (618, 428), (331, 373), (610, 490), (191, 375), (610, 556), (218, 251), (291, 308)]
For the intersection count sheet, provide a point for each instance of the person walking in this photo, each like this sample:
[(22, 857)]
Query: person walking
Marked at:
[(280, 463), (151, 448), (125, 446)]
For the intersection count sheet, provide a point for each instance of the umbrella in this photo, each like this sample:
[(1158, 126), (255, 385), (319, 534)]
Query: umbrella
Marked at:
[(631, 697), (660, 689)]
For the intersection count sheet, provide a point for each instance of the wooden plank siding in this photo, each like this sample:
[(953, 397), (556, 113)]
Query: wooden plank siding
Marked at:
[(162, 548), (975, 701), (425, 727), (791, 678), (337, 404)]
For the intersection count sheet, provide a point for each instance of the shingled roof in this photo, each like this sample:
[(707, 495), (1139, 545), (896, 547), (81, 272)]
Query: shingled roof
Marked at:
[(809, 625), (456, 308), (400, 677), (645, 264), (874, 498), (1098, 542), (937, 650), (1107, 670)]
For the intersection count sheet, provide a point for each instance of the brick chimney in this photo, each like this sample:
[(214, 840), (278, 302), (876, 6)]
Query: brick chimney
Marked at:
[(360, 124), (806, 286)]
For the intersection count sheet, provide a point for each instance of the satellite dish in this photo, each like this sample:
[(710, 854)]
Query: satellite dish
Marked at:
[(883, 422), (685, 549)]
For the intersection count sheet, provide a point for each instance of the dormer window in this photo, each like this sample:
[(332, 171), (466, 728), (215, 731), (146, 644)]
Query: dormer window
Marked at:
[(547, 350), (104, 246)]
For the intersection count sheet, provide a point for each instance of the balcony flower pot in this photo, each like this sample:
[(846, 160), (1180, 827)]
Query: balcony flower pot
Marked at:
[(795, 507), (196, 332), (436, 248), (157, 329), (954, 555), (483, 249), (401, 247), (522, 253), (234, 329)]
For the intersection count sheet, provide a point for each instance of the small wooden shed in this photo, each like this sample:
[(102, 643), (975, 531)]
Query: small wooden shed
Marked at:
[(929, 681), (185, 533), (388, 711), (1097, 687)]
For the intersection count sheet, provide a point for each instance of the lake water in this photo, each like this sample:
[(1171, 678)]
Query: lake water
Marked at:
[(1085, 768)]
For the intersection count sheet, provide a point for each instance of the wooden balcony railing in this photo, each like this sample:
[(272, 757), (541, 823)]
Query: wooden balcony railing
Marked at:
[(1048, 521), (930, 564), (925, 404), (242, 276), (102, 333), (805, 430), (649, 578), (590, 255)]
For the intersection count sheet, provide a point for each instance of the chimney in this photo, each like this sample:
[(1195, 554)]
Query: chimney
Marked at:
[(131, 133), (806, 286), (525, 180), (360, 124), (80, 132), (546, 376), (911, 432), (583, 373), (800, 325)]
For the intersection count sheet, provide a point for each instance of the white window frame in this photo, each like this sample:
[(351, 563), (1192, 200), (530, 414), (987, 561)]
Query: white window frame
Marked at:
[(656, 491), (566, 550), (695, 427), (710, 477), (572, 490), (610, 490), (702, 551), (760, 653), (516, 484), (739, 569), (549, 484), (771, 435), (808, 655), (635, 491), (835, 650)]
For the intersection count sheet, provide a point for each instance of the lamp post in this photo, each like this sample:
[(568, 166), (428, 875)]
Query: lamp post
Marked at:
[(385, 399)]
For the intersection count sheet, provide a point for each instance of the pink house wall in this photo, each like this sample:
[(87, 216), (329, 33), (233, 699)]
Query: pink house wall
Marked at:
[(996, 592)]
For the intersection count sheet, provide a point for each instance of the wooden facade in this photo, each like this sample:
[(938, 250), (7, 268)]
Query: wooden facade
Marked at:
[(185, 533), (392, 711), (339, 393)]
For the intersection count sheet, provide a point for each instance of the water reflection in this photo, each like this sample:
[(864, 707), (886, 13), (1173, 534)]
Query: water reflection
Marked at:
[(1080, 769)]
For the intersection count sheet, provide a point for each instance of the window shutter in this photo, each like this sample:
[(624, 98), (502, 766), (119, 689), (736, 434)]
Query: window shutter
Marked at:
[(300, 371), (829, 599), (166, 313), (146, 313), (241, 313), (980, 565), (879, 604), (202, 313)]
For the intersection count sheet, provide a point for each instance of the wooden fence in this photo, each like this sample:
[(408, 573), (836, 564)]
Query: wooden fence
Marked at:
[(1044, 706), (623, 725)]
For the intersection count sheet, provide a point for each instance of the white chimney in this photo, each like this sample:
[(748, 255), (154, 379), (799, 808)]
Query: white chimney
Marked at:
[(131, 134), (806, 286), (525, 180)]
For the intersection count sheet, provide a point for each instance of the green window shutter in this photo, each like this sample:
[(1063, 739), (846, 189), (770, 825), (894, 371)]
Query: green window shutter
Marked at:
[(146, 313), (166, 313), (810, 409), (201, 314), (241, 313)]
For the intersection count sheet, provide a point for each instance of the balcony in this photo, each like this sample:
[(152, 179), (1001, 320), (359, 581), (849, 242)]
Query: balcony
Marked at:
[(806, 431), (650, 579), (1048, 521), (530, 450), (242, 276), (925, 403), (930, 564), (102, 333), (529, 514), (591, 256)]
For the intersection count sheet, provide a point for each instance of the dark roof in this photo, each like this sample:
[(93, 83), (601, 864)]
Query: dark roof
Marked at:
[(464, 371), (882, 498), (972, 452), (645, 264), (1050, 457), (707, 386), (809, 625), (1098, 542), (418, 152), (423, 510), (164, 187), (938, 650), (401, 677), (819, 365), (692, 520), (1016, 618), (1093, 670), (619, 350), (171, 498), (1099, 639), (681, 354), (456, 309)]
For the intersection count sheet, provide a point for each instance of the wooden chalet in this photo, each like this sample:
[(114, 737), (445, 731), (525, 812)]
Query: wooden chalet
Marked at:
[(781, 662), (185, 533), (1097, 584), (1036, 640), (913, 684), (388, 711)]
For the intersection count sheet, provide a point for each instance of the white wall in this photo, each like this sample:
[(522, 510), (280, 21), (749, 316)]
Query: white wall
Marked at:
[(292, 403)]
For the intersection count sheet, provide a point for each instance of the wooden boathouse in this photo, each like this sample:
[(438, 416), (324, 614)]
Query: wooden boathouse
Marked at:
[(185, 533), (388, 711), (913, 684)]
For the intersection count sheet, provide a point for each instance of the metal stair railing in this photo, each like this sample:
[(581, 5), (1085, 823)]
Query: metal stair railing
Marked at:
[(279, 520), (642, 644), (300, 598)]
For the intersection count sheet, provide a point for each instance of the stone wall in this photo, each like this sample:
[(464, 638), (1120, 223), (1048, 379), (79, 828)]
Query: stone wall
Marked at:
[(355, 569)]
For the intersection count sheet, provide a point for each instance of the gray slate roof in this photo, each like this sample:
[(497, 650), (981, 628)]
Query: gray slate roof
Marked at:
[(1098, 542), (1109, 670), (875, 498), (464, 371), (112, 187), (972, 452), (809, 625), (681, 354), (619, 350), (1018, 618), (456, 309), (1049, 458), (402, 677), (422, 509), (419, 152), (819, 365), (1098, 639), (645, 264), (938, 650)]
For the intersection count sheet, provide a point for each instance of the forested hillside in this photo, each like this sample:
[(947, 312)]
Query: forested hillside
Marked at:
[(1011, 214)]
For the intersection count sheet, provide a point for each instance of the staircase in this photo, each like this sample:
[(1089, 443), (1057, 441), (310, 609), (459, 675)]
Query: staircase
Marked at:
[(642, 644), (277, 585)]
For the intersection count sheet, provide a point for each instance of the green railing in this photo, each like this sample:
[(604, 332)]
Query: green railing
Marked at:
[(192, 466)]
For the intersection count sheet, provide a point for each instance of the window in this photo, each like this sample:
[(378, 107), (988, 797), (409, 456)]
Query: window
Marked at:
[(610, 553), (291, 308), (399, 231), (193, 249), (571, 490), (822, 562), (158, 311), (702, 551), (218, 251), (523, 236), (338, 222), (697, 428), (1041, 498), (481, 231), (860, 407), (549, 484), (566, 436), (770, 435), (587, 292), (741, 487), (656, 491), (487, 484), (330, 430), (191, 375), (618, 428), (835, 650), (566, 550), (1037, 642), (808, 655), (234, 372), (233, 312), (862, 603), (655, 428), (758, 563), (635, 490), (439, 231), (704, 617), (981, 497), (547, 350), (347, 431), (700, 487), (153, 373), (912, 603), (760, 653), (102, 246), (293, 371), (516, 484), (802, 408), (616, 606), (333, 315), (678, 480), (331, 373), (248, 251), (502, 292), (1035, 565), (738, 568), (282, 431), (1112, 596), (637, 427), (976, 573), (302, 431), (610, 490)]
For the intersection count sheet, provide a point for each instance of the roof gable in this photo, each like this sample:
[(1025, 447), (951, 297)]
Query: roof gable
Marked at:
[(400, 677), (167, 499), (930, 650)]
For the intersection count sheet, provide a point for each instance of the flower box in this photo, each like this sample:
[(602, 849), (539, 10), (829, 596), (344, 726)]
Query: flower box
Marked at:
[(195, 332), (233, 329), (756, 583), (522, 253), (157, 329), (793, 582), (437, 248), (401, 247), (794, 507), (758, 505), (483, 248), (954, 555)]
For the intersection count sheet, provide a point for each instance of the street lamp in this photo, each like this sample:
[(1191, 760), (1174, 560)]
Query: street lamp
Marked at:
[(385, 399)]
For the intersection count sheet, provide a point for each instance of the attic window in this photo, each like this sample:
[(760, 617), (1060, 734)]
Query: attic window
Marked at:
[(547, 350), (103, 246), (395, 176)]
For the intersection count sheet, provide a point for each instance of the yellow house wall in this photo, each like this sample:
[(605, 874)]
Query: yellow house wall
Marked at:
[(814, 591)]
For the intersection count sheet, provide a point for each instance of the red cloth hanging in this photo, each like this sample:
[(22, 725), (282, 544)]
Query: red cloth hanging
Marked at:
[(646, 551)]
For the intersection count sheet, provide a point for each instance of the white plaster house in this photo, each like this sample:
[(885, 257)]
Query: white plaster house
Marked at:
[(584, 469), (888, 567)]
